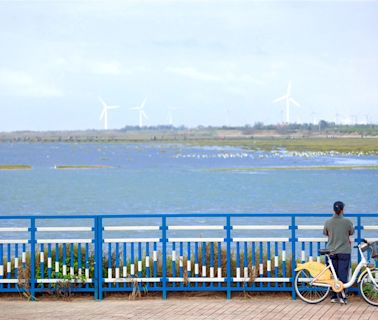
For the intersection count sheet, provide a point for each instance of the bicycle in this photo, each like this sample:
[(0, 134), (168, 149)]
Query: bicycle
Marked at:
[(314, 280)]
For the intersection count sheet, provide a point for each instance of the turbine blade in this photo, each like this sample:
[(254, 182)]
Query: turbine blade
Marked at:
[(102, 113), (113, 107), (289, 89), (102, 101), (294, 102), (143, 103), (280, 99), (144, 115)]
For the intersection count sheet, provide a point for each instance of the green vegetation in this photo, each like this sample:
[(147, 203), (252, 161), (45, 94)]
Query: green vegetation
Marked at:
[(288, 168), (82, 167), (15, 167), (326, 137), (342, 145)]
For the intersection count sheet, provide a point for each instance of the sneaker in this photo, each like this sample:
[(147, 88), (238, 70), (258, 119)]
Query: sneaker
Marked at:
[(334, 300), (343, 301)]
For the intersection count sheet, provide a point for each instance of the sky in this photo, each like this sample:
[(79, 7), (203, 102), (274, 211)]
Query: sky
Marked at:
[(215, 62)]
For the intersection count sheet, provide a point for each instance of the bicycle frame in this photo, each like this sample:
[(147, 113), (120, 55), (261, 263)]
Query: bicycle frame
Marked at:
[(362, 264)]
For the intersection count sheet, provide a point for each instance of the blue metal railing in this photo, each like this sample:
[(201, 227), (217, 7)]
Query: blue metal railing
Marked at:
[(162, 252)]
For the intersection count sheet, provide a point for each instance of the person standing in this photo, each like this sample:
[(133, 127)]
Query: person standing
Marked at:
[(338, 229)]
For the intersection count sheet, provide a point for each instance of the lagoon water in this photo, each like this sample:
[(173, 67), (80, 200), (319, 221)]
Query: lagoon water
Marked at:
[(151, 178)]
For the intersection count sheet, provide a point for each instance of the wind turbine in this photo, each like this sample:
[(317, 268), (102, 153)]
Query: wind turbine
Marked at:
[(104, 113), (227, 114), (142, 114), (288, 99), (170, 114)]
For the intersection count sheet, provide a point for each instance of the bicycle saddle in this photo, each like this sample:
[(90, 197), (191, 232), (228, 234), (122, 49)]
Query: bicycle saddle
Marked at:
[(324, 251)]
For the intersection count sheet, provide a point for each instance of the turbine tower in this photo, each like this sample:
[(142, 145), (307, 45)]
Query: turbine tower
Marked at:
[(170, 115), (142, 114), (104, 113), (288, 99)]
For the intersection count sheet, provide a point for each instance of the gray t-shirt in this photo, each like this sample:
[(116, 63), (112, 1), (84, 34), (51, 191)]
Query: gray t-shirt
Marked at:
[(338, 229)]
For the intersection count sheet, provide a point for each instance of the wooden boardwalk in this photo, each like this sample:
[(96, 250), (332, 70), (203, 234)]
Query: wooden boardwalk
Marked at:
[(270, 308)]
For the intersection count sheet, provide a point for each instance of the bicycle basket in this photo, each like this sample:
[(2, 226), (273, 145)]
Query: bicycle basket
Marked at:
[(374, 250)]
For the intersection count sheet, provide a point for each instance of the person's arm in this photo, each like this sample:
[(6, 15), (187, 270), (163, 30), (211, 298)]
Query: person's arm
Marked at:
[(325, 230), (351, 229)]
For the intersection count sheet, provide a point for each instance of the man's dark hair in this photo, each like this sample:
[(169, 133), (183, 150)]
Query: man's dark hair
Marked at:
[(338, 206)]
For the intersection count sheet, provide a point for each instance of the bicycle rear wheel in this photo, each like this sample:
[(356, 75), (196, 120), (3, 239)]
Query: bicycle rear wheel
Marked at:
[(307, 292), (367, 288)]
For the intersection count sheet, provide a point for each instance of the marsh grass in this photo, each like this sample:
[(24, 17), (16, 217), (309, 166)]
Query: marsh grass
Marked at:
[(15, 167), (299, 168), (82, 167)]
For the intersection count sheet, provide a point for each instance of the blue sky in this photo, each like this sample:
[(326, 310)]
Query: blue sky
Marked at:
[(218, 62)]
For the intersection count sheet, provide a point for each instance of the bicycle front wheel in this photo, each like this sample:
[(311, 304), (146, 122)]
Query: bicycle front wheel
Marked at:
[(307, 292), (368, 289)]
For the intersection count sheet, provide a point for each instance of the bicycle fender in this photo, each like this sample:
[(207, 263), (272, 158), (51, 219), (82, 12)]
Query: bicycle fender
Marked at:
[(300, 266), (362, 274)]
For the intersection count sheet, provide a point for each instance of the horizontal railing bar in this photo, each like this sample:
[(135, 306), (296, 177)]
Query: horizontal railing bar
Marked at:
[(54, 229), (309, 227), (131, 228), (64, 280), (14, 229), (370, 227), (371, 239), (312, 239), (260, 239), (10, 281), (262, 279), (115, 240), (200, 227), (6, 241), (195, 279), (64, 241), (196, 239), (180, 215), (127, 280), (260, 227)]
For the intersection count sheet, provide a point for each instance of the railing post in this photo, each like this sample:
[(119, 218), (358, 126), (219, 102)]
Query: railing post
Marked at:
[(98, 258), (359, 238), (164, 253), (32, 259), (293, 255), (228, 242)]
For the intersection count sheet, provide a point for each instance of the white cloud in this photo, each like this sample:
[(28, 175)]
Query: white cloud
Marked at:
[(21, 83), (193, 73), (105, 68), (79, 64), (223, 77)]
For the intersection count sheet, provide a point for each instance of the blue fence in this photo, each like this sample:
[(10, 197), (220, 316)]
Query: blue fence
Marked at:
[(162, 252)]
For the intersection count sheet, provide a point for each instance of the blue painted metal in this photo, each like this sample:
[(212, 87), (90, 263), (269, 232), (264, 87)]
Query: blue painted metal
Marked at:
[(164, 285), (293, 241), (228, 242), (164, 253), (32, 259)]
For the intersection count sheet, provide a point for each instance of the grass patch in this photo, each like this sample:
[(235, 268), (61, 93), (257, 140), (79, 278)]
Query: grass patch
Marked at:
[(82, 167), (298, 168), (342, 145), (15, 167)]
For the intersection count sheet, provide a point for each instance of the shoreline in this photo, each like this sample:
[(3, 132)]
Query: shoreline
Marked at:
[(362, 146)]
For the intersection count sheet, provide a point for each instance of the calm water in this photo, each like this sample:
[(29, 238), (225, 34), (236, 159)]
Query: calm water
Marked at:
[(172, 178)]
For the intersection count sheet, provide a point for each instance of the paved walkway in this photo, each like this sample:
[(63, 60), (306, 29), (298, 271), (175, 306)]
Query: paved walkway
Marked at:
[(270, 308)]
